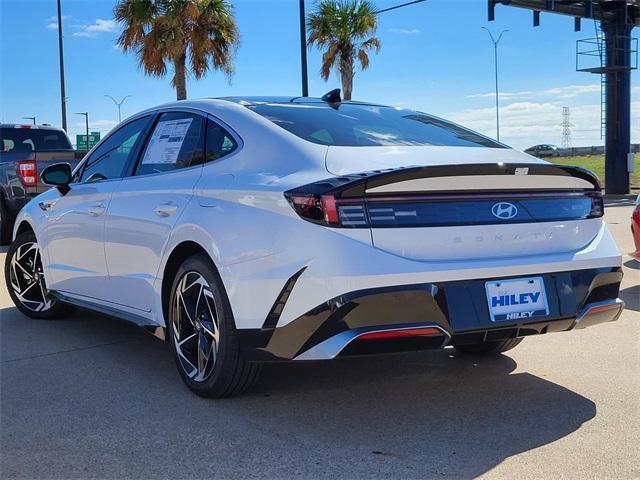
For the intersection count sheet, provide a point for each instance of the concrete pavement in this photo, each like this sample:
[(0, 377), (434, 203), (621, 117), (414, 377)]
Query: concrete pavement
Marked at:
[(94, 397)]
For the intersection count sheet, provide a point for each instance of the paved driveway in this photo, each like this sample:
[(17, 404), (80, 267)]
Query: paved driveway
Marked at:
[(95, 397)]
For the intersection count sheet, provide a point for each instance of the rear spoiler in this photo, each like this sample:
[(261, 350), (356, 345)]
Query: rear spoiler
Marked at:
[(454, 179)]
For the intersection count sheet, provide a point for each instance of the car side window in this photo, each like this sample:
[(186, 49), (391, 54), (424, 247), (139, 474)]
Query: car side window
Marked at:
[(219, 142), (176, 142), (111, 157)]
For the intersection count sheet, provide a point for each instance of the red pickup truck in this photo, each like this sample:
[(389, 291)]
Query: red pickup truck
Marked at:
[(25, 150)]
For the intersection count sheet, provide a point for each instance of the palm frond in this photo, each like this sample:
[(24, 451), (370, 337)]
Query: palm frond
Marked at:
[(344, 30), (330, 60), (202, 32), (364, 58)]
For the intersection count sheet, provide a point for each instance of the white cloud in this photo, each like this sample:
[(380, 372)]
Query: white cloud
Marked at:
[(523, 124), (502, 94), (404, 31), (92, 29), (569, 91), (52, 22), (534, 116)]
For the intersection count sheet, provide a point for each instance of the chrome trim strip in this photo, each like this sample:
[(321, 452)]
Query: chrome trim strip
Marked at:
[(613, 308), (332, 347)]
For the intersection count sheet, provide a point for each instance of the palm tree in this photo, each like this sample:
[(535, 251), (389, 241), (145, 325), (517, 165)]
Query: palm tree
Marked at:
[(202, 33), (344, 29)]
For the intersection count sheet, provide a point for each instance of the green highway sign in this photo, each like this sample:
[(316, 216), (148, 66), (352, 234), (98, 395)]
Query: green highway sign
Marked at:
[(81, 141)]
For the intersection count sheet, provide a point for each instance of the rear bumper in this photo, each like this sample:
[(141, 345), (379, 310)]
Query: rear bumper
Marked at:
[(431, 315)]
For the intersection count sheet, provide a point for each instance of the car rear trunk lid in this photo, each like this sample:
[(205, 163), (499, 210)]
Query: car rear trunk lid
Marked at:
[(463, 211)]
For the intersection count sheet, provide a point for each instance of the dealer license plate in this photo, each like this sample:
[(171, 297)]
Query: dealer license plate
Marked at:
[(519, 299)]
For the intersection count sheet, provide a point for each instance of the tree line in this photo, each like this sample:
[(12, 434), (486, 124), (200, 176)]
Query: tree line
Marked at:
[(192, 37)]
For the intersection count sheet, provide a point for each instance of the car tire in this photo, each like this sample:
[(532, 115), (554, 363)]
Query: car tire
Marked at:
[(5, 225), (489, 348), (26, 283), (202, 334)]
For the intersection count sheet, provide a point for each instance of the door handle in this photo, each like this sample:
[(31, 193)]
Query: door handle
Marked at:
[(166, 209), (96, 210)]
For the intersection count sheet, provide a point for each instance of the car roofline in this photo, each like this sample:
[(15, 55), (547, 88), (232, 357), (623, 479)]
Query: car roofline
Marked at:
[(283, 100)]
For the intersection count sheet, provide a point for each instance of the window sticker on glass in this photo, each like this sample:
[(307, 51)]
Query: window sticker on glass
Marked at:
[(166, 141)]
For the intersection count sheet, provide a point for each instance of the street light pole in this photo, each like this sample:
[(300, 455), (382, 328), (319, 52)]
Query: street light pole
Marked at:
[(118, 104), (86, 120), (495, 52), (63, 96), (303, 50), (33, 119)]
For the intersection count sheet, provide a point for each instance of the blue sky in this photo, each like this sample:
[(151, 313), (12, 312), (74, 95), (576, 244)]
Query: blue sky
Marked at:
[(435, 57)]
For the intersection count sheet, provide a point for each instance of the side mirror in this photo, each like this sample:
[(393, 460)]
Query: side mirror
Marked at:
[(57, 175)]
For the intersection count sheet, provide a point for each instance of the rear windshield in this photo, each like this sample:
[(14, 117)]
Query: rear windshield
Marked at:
[(352, 125), (32, 140)]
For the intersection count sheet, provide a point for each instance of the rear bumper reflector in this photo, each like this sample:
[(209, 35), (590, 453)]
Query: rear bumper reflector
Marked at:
[(334, 346), (400, 333)]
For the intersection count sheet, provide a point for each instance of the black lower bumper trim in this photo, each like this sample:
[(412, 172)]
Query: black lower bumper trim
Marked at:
[(459, 308)]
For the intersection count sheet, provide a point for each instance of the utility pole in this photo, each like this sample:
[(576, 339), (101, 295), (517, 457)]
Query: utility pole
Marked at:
[(63, 96), (86, 120), (303, 50), (33, 119), (495, 51), (566, 127), (118, 104)]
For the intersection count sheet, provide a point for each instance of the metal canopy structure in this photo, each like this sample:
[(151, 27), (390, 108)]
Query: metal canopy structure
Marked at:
[(589, 9), (617, 51)]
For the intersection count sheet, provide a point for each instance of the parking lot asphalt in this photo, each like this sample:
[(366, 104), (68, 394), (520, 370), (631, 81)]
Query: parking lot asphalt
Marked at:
[(95, 397)]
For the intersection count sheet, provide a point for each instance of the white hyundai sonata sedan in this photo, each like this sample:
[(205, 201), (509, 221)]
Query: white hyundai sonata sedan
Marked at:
[(247, 230)]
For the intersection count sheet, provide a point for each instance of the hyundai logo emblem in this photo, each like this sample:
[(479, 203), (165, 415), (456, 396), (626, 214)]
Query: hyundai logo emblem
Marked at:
[(504, 210)]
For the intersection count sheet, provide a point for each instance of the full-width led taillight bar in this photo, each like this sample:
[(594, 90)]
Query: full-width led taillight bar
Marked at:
[(451, 195), (28, 173), (445, 210)]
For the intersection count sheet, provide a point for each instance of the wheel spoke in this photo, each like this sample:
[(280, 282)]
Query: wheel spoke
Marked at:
[(24, 270), (204, 349), (189, 367), (23, 292), (211, 325), (184, 309), (185, 340), (31, 246)]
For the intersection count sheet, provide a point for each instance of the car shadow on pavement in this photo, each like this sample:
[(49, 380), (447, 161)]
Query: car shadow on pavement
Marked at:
[(96, 397), (631, 297)]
